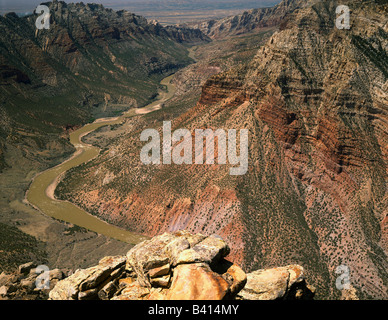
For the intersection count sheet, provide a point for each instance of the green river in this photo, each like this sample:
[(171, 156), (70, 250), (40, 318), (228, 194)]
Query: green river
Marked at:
[(41, 191)]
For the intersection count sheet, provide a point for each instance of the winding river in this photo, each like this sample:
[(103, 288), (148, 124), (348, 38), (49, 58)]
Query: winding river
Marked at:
[(41, 192)]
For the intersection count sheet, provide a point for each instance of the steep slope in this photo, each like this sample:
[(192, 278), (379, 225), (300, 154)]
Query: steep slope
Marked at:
[(314, 99), (92, 61), (321, 93), (251, 20)]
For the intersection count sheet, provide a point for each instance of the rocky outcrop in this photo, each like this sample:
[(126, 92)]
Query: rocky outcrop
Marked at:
[(271, 284), (179, 266), (24, 284), (86, 284)]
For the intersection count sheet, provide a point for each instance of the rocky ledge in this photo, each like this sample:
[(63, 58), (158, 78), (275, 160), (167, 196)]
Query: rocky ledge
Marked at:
[(180, 266), (172, 266)]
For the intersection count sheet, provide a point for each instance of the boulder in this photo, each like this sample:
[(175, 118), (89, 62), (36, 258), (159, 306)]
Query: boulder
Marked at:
[(68, 289), (172, 249), (210, 250), (197, 282), (278, 283), (179, 266), (87, 279), (233, 274), (26, 268)]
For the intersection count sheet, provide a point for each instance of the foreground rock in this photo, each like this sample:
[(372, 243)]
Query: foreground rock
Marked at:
[(86, 284), (24, 284), (179, 266), (279, 283)]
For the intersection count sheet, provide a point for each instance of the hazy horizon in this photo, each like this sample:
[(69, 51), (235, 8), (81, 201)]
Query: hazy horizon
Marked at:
[(140, 6)]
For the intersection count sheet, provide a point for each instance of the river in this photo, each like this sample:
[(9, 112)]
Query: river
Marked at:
[(41, 192)]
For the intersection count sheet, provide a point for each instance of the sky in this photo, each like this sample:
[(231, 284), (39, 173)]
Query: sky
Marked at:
[(138, 6)]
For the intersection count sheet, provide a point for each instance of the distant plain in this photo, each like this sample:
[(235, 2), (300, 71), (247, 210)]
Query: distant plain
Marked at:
[(166, 12)]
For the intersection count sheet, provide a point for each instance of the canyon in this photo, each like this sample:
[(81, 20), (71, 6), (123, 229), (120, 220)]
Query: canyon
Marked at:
[(312, 97), (91, 63), (314, 100)]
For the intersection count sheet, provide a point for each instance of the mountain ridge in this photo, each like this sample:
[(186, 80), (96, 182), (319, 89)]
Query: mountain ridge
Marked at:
[(251, 20), (91, 62)]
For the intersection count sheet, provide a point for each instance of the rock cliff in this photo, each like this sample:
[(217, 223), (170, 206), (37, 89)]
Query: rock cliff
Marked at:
[(319, 94), (87, 42)]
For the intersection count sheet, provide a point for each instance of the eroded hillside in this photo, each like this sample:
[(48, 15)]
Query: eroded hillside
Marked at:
[(92, 62)]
